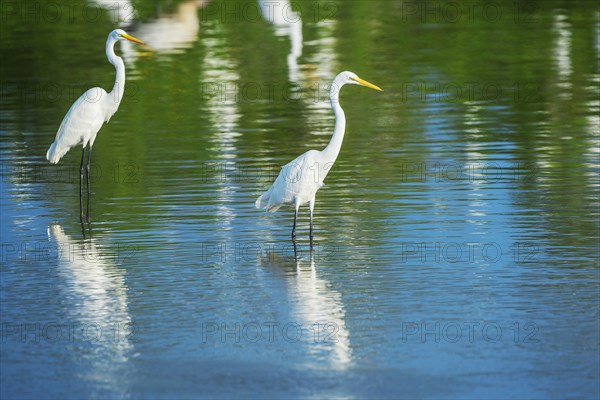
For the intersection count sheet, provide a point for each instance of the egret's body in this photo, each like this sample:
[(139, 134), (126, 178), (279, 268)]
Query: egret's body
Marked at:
[(86, 116), (299, 180)]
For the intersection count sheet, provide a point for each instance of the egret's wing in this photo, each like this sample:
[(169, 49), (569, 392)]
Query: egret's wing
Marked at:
[(303, 173), (294, 172), (80, 124), (297, 179)]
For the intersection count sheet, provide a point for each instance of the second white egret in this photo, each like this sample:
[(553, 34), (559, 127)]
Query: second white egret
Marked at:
[(299, 180)]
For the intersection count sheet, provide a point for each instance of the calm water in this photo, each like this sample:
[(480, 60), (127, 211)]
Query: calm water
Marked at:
[(456, 248)]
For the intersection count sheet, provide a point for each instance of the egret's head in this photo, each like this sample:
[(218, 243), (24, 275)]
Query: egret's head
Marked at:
[(120, 34), (351, 78)]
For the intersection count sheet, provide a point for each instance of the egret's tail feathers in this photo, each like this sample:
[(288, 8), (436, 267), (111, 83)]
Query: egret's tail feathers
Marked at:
[(259, 202), (264, 201), (55, 153)]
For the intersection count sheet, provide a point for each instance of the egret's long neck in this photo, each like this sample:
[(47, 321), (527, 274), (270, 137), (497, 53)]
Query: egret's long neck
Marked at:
[(116, 94), (335, 144)]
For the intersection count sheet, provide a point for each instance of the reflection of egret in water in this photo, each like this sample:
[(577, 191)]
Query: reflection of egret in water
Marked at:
[(322, 65), (476, 164), (121, 12), (562, 50), (221, 90), (174, 32), (317, 303), (169, 34), (550, 155), (316, 307), (593, 126), (95, 293), (287, 23)]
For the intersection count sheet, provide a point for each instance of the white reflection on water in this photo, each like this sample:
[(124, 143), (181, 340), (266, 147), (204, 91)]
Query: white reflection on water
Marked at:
[(321, 69), (315, 306), (220, 87), (221, 76), (95, 293), (548, 153), (172, 33), (168, 34), (287, 22), (317, 303), (562, 49), (121, 12), (593, 119)]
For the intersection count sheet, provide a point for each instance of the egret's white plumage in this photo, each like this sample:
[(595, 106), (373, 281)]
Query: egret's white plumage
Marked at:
[(86, 116), (81, 123), (299, 180)]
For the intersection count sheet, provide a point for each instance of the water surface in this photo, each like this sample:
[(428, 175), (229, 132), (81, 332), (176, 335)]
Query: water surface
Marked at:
[(456, 247)]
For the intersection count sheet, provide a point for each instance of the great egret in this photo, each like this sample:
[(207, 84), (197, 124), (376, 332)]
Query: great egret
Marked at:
[(299, 180), (86, 116)]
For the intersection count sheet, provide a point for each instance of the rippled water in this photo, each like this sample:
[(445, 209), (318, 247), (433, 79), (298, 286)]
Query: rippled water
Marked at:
[(456, 247)]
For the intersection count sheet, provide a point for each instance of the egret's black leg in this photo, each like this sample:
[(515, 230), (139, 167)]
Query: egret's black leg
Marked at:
[(295, 250), (294, 226), (86, 230), (87, 176), (312, 206), (81, 186), (311, 227)]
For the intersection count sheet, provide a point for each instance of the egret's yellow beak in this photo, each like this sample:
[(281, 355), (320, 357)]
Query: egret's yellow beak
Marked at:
[(131, 38), (367, 84)]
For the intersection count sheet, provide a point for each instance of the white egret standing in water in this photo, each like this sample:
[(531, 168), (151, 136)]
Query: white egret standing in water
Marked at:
[(86, 116), (299, 180)]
